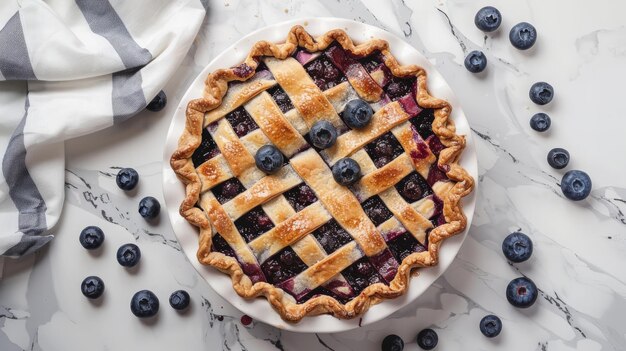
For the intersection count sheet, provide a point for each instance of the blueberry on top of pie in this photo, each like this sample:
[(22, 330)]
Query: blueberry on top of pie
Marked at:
[(360, 185)]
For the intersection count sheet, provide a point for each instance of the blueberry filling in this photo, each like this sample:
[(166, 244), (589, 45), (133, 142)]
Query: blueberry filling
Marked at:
[(424, 123), (281, 98), (220, 245), (372, 62), (331, 236), (207, 149), (404, 245), (435, 175), (384, 149), (282, 266), (399, 87), (300, 197), (361, 274), (413, 187), (241, 121), (254, 223), (376, 210), (227, 190), (324, 73)]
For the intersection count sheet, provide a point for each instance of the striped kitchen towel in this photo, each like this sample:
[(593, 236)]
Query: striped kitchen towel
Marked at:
[(74, 67)]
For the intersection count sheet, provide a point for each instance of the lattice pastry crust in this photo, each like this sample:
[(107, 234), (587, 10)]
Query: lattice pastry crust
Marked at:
[(286, 131)]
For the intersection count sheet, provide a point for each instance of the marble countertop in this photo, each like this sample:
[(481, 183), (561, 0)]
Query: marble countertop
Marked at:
[(579, 247)]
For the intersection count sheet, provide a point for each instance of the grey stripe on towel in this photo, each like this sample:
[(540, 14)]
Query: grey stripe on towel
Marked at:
[(127, 95), (24, 193), (14, 59)]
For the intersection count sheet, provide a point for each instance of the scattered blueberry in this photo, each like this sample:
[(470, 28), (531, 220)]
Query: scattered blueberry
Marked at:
[(179, 300), (476, 61), (558, 158), (149, 207), (323, 135), (144, 304), (91, 237), (488, 19), (576, 185), (346, 171), (517, 247), (357, 113), (128, 255), (246, 320), (127, 179), (490, 326), (523, 36), (158, 103), (392, 343), (541, 93), (427, 339), (92, 287), (540, 122), (521, 292), (268, 159)]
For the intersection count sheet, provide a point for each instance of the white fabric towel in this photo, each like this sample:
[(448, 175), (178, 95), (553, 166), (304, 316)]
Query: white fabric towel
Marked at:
[(87, 64)]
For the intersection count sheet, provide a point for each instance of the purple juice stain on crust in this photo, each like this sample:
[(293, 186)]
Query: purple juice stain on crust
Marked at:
[(253, 224), (392, 234), (253, 271), (409, 105), (399, 87), (404, 245), (241, 121), (435, 145), (243, 70), (206, 150), (438, 205), (435, 175), (385, 264)]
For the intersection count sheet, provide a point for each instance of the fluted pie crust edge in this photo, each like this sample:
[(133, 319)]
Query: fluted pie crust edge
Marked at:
[(216, 86)]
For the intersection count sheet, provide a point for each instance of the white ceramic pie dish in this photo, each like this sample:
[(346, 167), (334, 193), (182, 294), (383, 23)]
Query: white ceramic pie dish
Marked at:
[(187, 234)]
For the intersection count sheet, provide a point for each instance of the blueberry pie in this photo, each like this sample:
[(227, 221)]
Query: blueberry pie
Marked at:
[(320, 173)]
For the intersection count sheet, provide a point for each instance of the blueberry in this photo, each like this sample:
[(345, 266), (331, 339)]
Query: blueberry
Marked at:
[(158, 103), (179, 300), (392, 343), (323, 135), (576, 185), (268, 159), (476, 61), (490, 326), (128, 255), (521, 292), (558, 158), (144, 304), (357, 113), (488, 19), (427, 339), (149, 207), (517, 247), (541, 93), (127, 179), (91, 237), (92, 287), (540, 122), (523, 36), (346, 171)]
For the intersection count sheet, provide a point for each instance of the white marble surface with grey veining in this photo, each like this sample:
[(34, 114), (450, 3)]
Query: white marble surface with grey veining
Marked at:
[(579, 247)]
